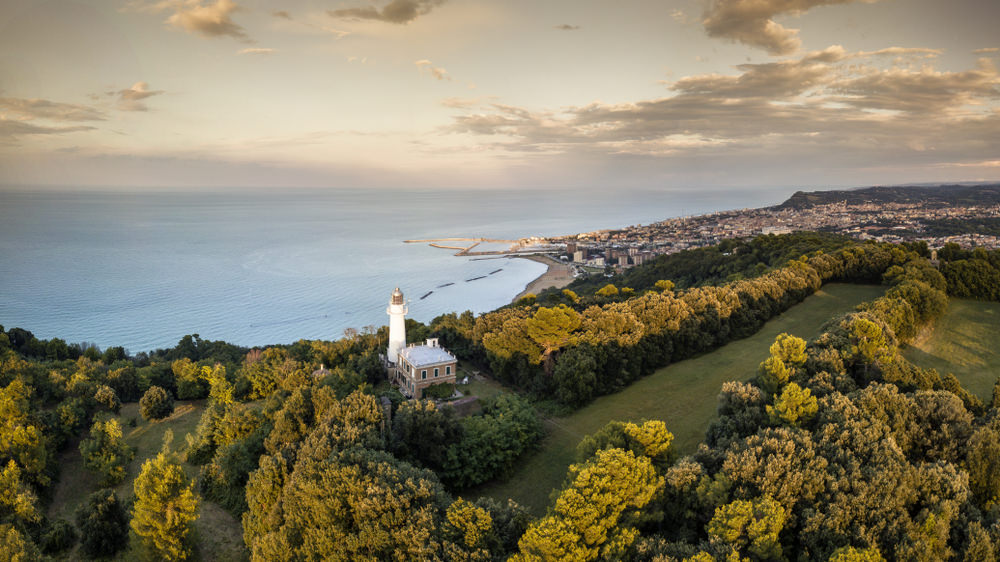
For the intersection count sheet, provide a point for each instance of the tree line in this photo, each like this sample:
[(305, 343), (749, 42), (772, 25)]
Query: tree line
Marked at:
[(271, 407), (585, 347), (838, 449)]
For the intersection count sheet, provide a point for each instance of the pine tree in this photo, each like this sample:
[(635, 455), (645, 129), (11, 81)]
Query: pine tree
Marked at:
[(165, 505), (103, 524), (106, 452)]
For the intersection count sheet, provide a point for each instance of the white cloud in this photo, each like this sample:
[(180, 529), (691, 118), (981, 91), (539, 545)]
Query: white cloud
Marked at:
[(437, 72), (256, 51), (131, 99), (22, 109), (210, 20)]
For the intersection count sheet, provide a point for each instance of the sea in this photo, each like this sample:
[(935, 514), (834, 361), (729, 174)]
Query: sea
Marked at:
[(141, 268)]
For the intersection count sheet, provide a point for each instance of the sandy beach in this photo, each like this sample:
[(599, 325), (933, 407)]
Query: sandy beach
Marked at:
[(558, 275)]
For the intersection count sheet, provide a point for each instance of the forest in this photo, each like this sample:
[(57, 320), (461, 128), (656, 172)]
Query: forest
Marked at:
[(836, 449)]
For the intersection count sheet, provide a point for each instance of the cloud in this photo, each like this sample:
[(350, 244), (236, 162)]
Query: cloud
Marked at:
[(131, 99), (210, 20), (825, 109), (256, 51), (466, 103), (566, 27), (751, 22), (436, 72), (282, 14), (987, 50), (10, 129), (769, 80), (26, 109), (923, 91), (902, 52), (397, 11)]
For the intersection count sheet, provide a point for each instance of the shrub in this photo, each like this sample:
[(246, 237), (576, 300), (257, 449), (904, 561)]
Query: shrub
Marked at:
[(107, 398), (156, 404), (440, 391), (59, 536), (103, 524)]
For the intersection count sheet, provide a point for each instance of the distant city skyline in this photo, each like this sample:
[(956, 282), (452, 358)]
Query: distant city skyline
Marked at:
[(676, 94)]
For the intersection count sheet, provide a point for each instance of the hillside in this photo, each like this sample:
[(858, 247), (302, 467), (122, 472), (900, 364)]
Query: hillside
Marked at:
[(672, 417), (937, 195)]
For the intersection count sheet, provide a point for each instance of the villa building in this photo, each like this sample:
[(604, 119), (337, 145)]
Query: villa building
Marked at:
[(415, 367)]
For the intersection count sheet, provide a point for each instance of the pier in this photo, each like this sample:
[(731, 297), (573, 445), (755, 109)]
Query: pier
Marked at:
[(467, 250)]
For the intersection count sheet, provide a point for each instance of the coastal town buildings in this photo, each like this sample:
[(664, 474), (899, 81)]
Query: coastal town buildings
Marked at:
[(873, 220)]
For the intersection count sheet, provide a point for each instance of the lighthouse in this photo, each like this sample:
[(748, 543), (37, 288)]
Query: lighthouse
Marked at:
[(397, 326)]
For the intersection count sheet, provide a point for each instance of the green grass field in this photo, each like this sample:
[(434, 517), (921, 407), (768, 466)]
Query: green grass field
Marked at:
[(683, 395), (218, 534), (964, 342)]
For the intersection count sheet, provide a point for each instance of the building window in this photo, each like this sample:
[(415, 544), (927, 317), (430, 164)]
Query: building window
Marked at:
[(435, 372), (423, 374), (447, 370)]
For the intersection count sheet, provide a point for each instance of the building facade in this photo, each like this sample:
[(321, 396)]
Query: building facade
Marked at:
[(415, 367), (420, 366)]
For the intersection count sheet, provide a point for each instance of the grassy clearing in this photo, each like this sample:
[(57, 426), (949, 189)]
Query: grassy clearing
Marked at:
[(683, 395), (219, 535), (964, 342)]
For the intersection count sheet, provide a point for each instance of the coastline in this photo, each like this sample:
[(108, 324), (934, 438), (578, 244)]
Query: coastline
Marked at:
[(557, 275)]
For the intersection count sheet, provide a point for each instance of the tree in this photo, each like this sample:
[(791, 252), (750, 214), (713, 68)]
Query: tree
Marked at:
[(594, 516), (156, 404), (220, 389), (58, 536), (468, 530), (190, 377), (650, 439), (357, 504), (995, 402), (15, 546), (21, 438), (17, 503), (551, 329), (851, 554), (575, 376), (103, 524), (106, 452), (794, 406), (749, 527), (664, 285), (870, 343), (607, 291), (570, 296), (787, 354), (107, 398), (983, 464), (422, 432), (165, 505)]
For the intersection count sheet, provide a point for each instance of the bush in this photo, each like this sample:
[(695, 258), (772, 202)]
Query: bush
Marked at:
[(106, 452), (156, 404), (103, 525), (59, 536), (107, 398), (440, 391)]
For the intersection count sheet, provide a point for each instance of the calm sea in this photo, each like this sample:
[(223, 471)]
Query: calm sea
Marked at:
[(255, 267)]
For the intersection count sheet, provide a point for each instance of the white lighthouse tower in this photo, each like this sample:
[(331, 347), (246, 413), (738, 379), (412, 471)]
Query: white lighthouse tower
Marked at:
[(397, 326)]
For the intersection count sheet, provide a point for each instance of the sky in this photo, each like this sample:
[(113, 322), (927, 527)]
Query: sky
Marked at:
[(674, 94)]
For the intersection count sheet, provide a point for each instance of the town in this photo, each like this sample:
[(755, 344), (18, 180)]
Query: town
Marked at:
[(872, 219)]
